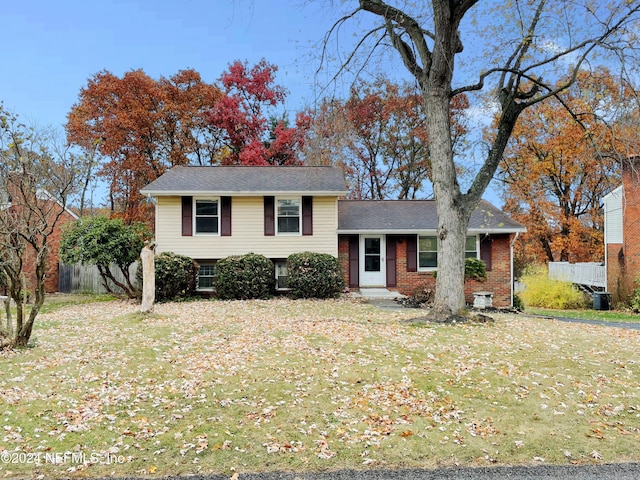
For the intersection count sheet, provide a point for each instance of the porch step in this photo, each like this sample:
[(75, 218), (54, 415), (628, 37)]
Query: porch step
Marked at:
[(379, 293)]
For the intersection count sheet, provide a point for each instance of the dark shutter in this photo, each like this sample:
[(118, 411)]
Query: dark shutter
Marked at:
[(187, 216), (485, 251), (412, 253), (307, 215), (225, 216), (269, 216), (354, 261), (391, 261)]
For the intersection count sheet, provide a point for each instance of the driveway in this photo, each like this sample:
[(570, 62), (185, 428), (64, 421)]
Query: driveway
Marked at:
[(391, 305), (627, 325), (615, 471)]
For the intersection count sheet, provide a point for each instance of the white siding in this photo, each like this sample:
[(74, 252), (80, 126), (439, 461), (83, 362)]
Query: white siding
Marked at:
[(613, 217), (247, 231)]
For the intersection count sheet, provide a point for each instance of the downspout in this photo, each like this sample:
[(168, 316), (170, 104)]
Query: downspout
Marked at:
[(606, 264), (511, 265)]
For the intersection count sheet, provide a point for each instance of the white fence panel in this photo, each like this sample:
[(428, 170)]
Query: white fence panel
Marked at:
[(591, 274)]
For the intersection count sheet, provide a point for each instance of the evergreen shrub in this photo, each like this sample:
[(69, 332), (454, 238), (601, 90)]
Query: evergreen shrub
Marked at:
[(242, 277), (175, 276), (314, 275)]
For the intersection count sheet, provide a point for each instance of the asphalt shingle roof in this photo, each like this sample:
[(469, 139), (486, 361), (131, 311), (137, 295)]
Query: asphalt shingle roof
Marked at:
[(251, 180), (414, 215), (353, 215)]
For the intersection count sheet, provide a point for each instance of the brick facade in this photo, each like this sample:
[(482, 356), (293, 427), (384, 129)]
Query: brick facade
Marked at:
[(53, 259), (406, 282), (619, 283), (623, 260)]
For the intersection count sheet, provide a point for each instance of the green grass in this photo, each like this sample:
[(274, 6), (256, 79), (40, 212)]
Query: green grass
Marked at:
[(280, 385), (604, 315), (55, 302)]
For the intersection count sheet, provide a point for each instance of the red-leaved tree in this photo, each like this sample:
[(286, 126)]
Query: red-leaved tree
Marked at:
[(379, 137), (244, 133)]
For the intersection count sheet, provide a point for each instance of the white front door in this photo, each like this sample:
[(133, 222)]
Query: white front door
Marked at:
[(372, 262)]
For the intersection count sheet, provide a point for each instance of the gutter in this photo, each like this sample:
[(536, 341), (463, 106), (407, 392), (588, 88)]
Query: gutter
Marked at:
[(423, 231), (239, 193)]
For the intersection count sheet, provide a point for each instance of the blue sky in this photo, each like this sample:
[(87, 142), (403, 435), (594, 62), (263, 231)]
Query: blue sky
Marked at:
[(51, 48)]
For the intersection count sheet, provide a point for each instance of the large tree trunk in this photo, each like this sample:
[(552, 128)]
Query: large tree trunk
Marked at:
[(453, 216), (452, 231), (453, 210)]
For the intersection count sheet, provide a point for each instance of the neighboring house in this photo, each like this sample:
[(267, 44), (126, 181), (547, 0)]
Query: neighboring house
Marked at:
[(622, 233), (208, 213), (53, 258)]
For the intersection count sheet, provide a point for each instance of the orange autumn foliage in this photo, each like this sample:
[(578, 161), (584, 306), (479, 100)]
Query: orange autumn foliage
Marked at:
[(140, 127), (564, 156)]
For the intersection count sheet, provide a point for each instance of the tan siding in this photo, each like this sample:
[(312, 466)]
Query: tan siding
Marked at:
[(247, 231)]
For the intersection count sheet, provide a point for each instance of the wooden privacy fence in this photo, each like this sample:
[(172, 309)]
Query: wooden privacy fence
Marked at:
[(87, 279)]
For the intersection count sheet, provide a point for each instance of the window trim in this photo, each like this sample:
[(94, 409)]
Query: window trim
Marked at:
[(477, 247), (195, 216), (426, 269), (281, 263), (433, 269), (277, 217), (206, 264)]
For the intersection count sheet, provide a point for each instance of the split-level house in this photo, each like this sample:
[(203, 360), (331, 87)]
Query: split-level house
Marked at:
[(208, 213)]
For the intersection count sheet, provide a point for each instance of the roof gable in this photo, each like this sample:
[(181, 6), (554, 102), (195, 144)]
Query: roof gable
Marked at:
[(6, 201), (248, 180)]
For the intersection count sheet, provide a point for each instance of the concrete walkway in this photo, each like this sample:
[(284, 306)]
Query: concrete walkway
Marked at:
[(377, 294), (386, 300), (380, 297)]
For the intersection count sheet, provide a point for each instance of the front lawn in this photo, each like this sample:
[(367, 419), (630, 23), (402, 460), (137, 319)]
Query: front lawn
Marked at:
[(244, 386)]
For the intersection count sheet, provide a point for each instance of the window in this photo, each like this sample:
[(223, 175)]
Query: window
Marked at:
[(372, 253), (428, 251), (471, 247), (207, 217), (282, 276), (288, 216), (206, 273)]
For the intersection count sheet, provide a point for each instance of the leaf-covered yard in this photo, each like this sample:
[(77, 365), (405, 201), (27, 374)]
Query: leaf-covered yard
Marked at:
[(230, 387)]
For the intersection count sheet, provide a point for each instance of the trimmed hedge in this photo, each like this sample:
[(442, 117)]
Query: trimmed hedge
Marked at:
[(175, 276), (242, 277), (314, 275)]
